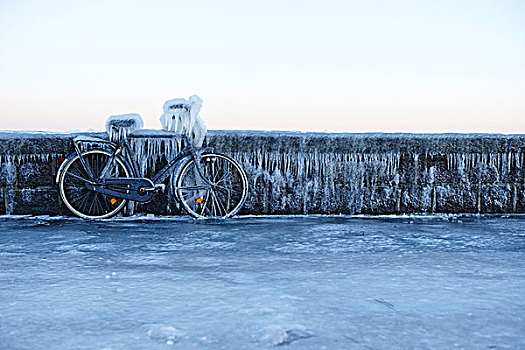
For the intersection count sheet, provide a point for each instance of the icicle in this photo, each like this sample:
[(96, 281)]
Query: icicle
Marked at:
[(10, 172), (150, 151)]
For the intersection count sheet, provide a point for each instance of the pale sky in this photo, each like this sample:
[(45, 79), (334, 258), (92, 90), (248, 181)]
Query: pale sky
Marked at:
[(342, 66)]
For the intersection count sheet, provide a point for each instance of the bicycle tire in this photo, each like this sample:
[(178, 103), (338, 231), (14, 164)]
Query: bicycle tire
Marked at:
[(83, 202), (225, 194)]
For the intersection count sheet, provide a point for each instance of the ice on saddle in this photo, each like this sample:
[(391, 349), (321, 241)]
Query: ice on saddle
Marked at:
[(122, 125), (182, 117)]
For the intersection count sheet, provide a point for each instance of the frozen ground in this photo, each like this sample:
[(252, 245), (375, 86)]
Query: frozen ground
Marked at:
[(299, 282)]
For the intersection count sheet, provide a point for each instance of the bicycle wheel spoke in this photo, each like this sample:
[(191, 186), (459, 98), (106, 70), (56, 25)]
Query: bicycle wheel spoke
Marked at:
[(77, 171), (99, 197), (226, 176), (225, 198), (222, 188), (212, 170), (205, 202), (192, 187), (192, 198), (213, 205), (77, 177), (91, 203), (104, 204), (216, 174), (220, 206), (83, 199), (98, 204), (227, 179)]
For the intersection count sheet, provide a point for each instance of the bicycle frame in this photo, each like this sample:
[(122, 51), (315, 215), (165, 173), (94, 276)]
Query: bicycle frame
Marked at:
[(130, 159)]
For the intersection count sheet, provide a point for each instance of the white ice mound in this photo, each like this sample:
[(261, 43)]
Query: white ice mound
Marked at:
[(182, 117), (119, 126), (166, 333), (277, 335), (274, 334)]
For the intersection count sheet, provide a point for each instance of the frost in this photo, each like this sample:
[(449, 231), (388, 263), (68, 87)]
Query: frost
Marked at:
[(182, 117)]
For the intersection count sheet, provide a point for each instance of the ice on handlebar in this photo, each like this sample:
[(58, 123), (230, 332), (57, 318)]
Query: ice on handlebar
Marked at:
[(182, 117)]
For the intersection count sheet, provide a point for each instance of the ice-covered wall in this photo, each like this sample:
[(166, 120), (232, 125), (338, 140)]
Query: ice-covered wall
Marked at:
[(379, 173), (301, 173)]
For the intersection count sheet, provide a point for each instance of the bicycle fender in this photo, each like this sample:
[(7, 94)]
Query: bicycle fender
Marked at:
[(205, 150), (63, 164)]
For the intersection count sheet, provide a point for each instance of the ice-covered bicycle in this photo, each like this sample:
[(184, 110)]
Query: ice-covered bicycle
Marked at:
[(96, 183)]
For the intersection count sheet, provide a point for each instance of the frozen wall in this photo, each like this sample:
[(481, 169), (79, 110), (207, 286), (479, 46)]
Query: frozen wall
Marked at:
[(379, 173), (302, 173)]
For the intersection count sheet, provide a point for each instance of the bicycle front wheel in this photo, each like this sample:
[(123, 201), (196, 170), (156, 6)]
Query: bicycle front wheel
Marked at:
[(217, 191), (80, 200)]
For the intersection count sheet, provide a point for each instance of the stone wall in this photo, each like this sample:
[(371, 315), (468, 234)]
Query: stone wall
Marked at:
[(304, 173)]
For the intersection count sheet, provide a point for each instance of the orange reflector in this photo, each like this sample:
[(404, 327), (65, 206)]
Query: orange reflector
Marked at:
[(113, 201), (199, 200)]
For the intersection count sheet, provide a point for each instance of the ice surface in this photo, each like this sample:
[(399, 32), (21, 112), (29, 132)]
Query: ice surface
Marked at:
[(408, 282), (182, 117)]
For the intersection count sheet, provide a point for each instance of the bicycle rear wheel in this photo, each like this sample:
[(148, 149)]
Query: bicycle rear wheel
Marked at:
[(223, 192), (83, 202)]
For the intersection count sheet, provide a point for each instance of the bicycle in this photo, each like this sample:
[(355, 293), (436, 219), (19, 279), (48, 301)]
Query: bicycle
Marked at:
[(97, 183)]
